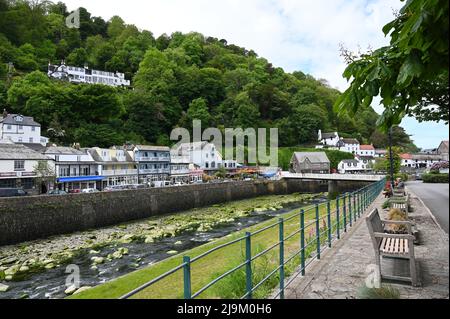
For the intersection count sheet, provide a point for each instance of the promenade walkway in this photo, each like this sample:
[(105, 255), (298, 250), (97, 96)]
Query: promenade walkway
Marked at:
[(342, 271)]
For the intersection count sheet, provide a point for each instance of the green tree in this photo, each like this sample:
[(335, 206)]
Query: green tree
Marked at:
[(410, 74), (198, 110)]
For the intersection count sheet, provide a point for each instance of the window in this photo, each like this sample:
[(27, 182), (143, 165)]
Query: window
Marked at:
[(20, 140), (20, 127), (9, 127), (31, 140), (33, 129), (19, 165)]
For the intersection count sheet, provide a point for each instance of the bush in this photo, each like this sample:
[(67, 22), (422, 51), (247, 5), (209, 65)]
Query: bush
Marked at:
[(385, 292), (435, 178)]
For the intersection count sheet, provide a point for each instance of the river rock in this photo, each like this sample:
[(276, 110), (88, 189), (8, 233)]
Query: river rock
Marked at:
[(98, 260), (82, 289), (11, 271), (70, 290), (126, 239), (94, 252), (8, 260), (172, 252), (117, 255), (50, 266), (24, 269), (178, 243), (4, 288), (149, 240)]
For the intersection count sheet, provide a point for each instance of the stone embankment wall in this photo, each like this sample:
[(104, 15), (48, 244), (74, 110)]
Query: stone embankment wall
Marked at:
[(28, 218)]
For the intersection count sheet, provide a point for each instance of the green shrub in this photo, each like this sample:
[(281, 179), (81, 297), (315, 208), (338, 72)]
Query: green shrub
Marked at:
[(435, 178)]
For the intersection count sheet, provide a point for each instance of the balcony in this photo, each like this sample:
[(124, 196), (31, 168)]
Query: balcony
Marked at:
[(152, 159), (120, 172), (180, 171), (154, 171)]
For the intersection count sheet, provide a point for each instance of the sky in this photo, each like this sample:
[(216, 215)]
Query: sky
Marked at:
[(300, 35)]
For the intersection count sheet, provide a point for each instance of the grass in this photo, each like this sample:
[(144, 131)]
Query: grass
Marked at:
[(217, 263), (384, 292)]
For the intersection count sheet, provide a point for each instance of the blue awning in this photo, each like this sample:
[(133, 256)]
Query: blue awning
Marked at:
[(80, 179), (269, 174)]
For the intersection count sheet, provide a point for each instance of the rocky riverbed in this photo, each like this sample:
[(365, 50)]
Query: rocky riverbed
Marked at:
[(38, 269)]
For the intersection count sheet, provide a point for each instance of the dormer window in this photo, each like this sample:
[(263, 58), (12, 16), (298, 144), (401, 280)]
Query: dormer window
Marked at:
[(18, 119)]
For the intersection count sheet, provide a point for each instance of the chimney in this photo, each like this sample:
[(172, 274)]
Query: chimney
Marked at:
[(320, 135), (5, 113)]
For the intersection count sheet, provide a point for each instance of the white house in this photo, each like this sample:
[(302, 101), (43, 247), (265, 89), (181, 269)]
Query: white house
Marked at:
[(349, 145), (153, 162), (75, 74), (204, 155), (75, 169), (21, 129), (366, 150), (18, 165), (328, 139), (418, 161), (380, 153), (359, 165)]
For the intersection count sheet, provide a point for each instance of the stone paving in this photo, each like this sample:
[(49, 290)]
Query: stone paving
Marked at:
[(342, 271)]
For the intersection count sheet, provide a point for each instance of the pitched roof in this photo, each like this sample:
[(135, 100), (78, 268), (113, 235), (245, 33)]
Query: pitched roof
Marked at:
[(313, 157), (19, 152), (367, 148), (350, 161), (329, 135), (63, 150), (406, 156), (350, 141), (13, 119), (380, 151)]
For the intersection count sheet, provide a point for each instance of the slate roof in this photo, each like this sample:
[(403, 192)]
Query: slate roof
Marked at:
[(329, 135), (313, 157), (63, 150), (11, 119), (19, 152), (350, 141)]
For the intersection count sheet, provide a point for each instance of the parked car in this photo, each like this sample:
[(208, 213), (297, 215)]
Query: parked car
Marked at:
[(75, 191), (418, 176), (57, 192), (90, 190), (12, 192)]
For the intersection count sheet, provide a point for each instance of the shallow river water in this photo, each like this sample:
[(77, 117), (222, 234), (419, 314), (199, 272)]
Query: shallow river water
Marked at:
[(52, 283)]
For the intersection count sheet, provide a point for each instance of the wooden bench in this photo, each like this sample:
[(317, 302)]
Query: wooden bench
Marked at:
[(400, 246), (401, 203)]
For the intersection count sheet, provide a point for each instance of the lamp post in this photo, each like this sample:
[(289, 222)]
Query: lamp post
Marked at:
[(391, 159)]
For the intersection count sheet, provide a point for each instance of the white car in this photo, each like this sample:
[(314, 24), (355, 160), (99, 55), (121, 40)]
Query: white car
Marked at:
[(90, 190)]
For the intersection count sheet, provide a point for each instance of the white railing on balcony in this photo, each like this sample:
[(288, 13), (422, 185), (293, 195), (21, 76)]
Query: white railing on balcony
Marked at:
[(154, 171), (180, 171), (119, 172), (152, 159)]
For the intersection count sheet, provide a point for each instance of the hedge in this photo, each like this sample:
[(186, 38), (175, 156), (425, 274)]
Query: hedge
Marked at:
[(435, 178)]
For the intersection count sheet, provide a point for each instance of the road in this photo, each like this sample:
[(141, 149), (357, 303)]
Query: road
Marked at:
[(435, 196)]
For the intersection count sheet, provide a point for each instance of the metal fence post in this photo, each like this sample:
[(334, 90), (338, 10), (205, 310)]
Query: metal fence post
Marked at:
[(302, 241), (187, 277), (281, 231), (350, 217), (338, 224), (344, 207), (329, 223), (355, 209), (248, 267), (318, 231), (359, 204)]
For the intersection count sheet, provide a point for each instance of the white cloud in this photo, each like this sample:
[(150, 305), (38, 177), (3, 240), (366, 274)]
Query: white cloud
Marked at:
[(292, 34)]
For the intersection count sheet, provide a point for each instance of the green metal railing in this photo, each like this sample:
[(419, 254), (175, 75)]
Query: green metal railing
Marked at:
[(347, 210)]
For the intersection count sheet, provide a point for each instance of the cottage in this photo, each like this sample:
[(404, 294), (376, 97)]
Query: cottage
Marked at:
[(349, 145), (18, 167), (310, 162), (21, 129), (328, 139), (443, 150), (366, 150)]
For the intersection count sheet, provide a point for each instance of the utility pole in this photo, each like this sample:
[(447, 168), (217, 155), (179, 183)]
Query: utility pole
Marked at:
[(391, 159)]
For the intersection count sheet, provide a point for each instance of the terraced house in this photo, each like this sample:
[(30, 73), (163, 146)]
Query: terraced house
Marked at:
[(116, 165), (153, 162)]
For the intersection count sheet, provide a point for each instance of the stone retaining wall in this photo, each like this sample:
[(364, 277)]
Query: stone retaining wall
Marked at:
[(29, 218)]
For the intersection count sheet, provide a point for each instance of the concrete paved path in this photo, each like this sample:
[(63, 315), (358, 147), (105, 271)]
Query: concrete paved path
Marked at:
[(342, 271)]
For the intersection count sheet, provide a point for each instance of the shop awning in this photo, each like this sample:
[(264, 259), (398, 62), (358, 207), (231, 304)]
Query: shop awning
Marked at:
[(80, 179)]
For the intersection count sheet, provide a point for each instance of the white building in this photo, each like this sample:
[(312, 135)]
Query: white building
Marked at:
[(153, 162), (75, 169), (359, 165), (18, 165), (420, 161), (75, 74), (379, 153), (366, 150), (205, 156), (115, 165), (21, 129), (328, 139), (349, 145)]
